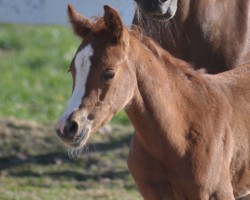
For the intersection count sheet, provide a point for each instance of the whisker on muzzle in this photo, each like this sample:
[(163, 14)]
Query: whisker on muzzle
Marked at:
[(75, 153)]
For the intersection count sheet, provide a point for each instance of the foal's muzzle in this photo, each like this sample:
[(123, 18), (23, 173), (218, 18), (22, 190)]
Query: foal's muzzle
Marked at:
[(76, 130)]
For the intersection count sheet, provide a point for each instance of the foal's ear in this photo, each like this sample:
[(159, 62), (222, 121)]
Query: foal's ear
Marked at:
[(113, 21), (81, 25)]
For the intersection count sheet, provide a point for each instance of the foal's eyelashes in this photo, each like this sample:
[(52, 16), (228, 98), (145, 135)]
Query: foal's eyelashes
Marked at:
[(108, 74)]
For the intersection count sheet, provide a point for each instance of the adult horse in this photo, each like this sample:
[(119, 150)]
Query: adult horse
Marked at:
[(192, 137), (214, 35)]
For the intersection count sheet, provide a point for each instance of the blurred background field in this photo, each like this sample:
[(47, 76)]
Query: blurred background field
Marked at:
[(34, 62), (34, 90)]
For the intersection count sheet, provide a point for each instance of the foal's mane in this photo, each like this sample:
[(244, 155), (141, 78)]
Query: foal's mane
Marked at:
[(161, 53)]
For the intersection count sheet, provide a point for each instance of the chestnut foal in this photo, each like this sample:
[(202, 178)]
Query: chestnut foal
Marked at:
[(192, 139)]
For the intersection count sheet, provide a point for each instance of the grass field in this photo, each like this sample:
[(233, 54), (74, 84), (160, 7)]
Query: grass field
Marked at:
[(34, 83), (34, 90)]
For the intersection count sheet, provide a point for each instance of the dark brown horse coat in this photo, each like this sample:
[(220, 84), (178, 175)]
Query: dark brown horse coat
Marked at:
[(214, 35)]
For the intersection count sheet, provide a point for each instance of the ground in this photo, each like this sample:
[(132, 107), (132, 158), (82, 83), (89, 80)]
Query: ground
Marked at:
[(34, 164)]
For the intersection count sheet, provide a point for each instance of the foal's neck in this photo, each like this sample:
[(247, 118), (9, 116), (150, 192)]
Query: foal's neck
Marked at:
[(160, 103)]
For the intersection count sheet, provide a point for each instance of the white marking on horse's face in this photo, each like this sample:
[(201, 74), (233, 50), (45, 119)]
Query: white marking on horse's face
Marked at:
[(82, 67)]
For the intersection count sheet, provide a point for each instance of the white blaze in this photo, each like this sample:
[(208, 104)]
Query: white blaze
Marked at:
[(82, 67)]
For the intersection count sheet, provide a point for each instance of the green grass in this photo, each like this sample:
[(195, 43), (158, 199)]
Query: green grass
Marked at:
[(34, 83)]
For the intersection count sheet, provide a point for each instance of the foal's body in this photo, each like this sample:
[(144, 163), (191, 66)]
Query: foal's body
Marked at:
[(214, 35), (192, 139), (196, 144)]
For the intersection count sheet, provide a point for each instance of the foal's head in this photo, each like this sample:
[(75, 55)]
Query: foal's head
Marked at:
[(102, 80)]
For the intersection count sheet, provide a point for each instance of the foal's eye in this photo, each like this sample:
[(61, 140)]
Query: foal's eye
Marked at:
[(108, 74)]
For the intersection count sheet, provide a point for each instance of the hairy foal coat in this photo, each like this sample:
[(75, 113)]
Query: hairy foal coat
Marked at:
[(192, 139)]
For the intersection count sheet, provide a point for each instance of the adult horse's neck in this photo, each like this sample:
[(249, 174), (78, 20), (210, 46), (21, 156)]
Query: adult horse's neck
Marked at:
[(210, 34), (169, 34), (163, 97)]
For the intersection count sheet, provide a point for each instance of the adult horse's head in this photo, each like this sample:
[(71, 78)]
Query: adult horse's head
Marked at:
[(158, 9), (101, 76)]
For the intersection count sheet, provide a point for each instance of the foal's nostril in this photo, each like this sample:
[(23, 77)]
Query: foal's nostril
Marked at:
[(162, 1), (58, 132), (72, 128)]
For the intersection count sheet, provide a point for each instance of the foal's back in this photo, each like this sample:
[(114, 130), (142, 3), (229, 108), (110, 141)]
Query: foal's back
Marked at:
[(237, 81), (234, 87)]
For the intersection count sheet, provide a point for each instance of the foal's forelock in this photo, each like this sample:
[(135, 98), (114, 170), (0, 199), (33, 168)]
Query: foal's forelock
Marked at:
[(82, 65)]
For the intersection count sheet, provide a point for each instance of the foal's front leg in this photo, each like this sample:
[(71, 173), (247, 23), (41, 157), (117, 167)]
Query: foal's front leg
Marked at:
[(148, 174), (224, 188)]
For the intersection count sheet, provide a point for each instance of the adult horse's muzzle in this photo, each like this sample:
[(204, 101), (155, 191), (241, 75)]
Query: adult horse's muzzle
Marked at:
[(75, 131), (158, 9)]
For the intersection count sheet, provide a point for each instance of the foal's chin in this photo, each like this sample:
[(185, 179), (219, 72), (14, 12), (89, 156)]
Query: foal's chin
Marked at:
[(79, 140)]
